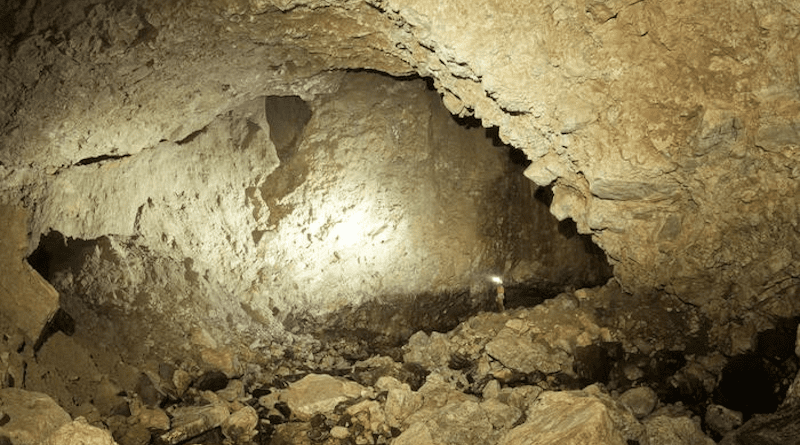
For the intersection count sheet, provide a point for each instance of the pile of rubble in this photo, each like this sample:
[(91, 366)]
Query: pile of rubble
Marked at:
[(543, 375)]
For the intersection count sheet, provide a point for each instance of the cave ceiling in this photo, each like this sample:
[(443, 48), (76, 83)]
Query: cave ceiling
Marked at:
[(669, 132)]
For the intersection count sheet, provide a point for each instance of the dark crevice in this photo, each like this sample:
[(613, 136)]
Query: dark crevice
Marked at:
[(99, 159), (61, 322), (192, 136), (148, 33), (19, 38), (287, 117)]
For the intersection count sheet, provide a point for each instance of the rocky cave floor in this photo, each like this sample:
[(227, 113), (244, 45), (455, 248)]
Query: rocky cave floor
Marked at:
[(586, 364)]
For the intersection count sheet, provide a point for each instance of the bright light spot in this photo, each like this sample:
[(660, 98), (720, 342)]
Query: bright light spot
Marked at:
[(351, 231), (497, 279)]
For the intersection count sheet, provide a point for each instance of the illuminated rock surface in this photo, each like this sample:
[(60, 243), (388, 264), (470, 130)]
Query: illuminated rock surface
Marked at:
[(234, 185)]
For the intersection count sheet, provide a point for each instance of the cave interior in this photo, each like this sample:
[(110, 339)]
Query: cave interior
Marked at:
[(271, 193)]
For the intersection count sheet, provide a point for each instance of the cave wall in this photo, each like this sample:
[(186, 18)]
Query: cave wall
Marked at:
[(281, 212), (669, 131)]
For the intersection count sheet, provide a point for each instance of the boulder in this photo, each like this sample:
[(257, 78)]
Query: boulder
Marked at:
[(79, 432), (566, 418), (27, 299), (318, 393), (32, 416), (640, 400), (779, 428)]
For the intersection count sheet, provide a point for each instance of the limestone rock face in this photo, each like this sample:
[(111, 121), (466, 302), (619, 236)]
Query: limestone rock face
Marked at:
[(676, 147), (281, 210), (668, 131)]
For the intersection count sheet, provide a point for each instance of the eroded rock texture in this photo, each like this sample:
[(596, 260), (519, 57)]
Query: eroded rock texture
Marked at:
[(281, 212), (669, 131)]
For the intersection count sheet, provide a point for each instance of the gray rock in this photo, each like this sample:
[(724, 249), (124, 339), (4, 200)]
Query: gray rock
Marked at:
[(721, 419), (640, 400)]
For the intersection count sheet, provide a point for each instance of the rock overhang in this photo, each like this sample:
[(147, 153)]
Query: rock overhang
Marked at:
[(676, 151)]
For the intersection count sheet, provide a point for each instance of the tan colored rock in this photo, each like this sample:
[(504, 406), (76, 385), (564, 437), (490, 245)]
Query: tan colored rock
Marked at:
[(491, 389), (416, 434), (181, 379), (401, 403), (520, 397), (191, 421), (675, 148), (150, 418), (501, 415), (348, 219), (567, 419), (79, 432), (339, 432), (28, 301), (656, 142), (32, 416), (458, 422), (797, 343), (234, 391), (370, 414), (240, 426), (519, 352), (664, 430), (318, 393)]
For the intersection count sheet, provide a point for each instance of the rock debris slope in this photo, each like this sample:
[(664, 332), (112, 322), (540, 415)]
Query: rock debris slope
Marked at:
[(199, 169), (667, 131), (456, 387)]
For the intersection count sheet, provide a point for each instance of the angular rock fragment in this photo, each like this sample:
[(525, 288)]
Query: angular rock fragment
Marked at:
[(565, 418), (666, 430), (32, 416), (28, 301), (722, 420), (240, 426), (318, 393), (518, 351), (587, 416), (79, 432), (192, 421)]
